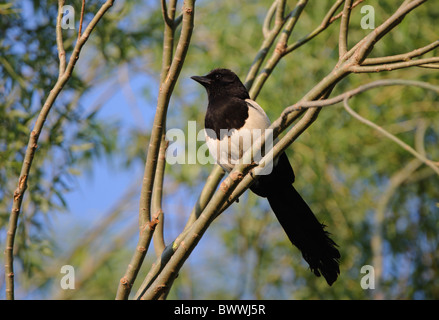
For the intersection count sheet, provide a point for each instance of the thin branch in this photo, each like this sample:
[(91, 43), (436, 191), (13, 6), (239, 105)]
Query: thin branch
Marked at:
[(280, 12), (349, 94), (158, 237), (393, 66), (344, 26), (356, 3), (429, 66), (268, 18), (326, 22), (278, 53), (402, 57), (168, 20), (157, 192), (362, 49), (433, 165), (59, 40), (33, 144), (81, 19), (421, 129), (284, 49), (269, 37)]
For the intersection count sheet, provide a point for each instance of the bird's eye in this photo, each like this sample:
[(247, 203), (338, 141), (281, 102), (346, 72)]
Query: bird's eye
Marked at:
[(217, 76)]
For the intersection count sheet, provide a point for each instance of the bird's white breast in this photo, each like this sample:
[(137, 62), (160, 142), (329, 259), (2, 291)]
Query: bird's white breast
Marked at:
[(229, 150)]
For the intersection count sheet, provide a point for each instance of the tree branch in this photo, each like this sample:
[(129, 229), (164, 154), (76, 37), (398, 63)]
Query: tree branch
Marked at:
[(169, 20), (433, 165), (255, 84), (349, 94), (429, 66), (402, 57), (269, 37), (344, 26), (59, 40), (269, 17), (393, 66), (157, 195), (81, 19), (326, 22), (362, 49)]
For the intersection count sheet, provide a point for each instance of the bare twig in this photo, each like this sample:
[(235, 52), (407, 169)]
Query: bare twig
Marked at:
[(59, 40), (433, 165), (362, 49), (168, 20), (349, 94), (326, 22), (255, 84), (429, 66), (280, 12), (206, 194), (356, 3), (81, 19), (402, 57), (269, 37), (393, 66), (159, 242), (344, 26), (268, 18), (168, 50)]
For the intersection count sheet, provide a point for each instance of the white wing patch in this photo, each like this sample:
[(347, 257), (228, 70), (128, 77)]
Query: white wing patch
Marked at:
[(257, 118)]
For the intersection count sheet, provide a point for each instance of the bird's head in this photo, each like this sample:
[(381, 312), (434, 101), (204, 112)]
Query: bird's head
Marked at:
[(222, 83)]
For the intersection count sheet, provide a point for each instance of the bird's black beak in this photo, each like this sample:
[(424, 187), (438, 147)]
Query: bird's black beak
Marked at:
[(204, 81)]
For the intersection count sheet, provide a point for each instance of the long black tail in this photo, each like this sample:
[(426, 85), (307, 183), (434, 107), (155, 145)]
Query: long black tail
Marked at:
[(301, 226)]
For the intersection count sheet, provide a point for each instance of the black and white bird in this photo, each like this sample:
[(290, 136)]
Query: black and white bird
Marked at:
[(230, 111)]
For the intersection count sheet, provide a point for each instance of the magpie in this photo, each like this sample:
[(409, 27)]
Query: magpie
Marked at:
[(231, 111)]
